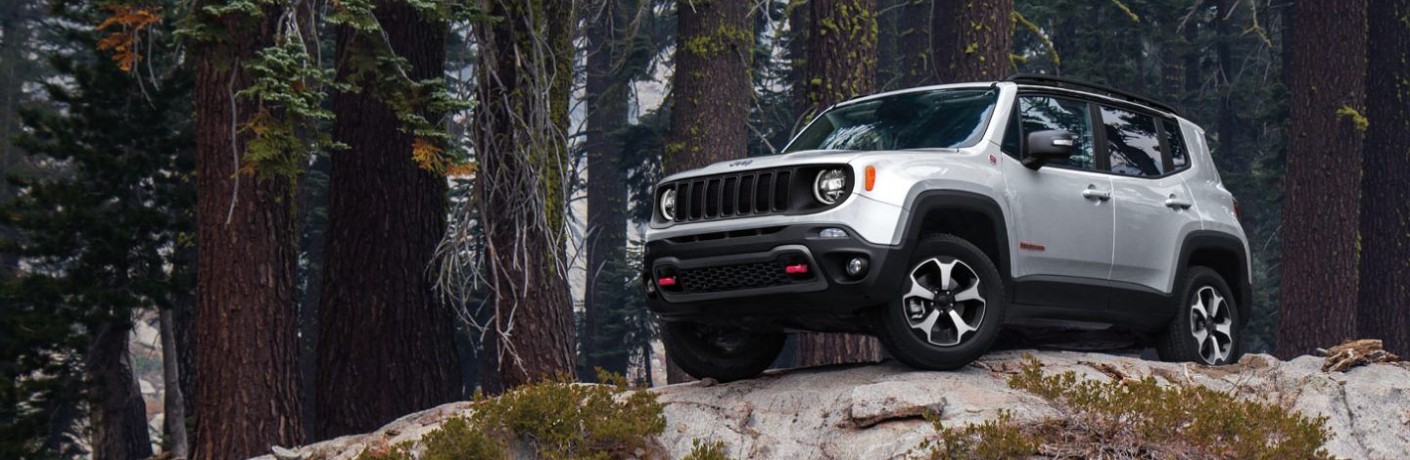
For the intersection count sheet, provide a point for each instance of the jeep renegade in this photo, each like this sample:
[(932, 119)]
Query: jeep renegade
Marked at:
[(931, 217)]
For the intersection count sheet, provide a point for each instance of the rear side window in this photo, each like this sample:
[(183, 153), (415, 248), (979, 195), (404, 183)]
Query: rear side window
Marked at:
[(1132, 143), (1179, 153), (1040, 113)]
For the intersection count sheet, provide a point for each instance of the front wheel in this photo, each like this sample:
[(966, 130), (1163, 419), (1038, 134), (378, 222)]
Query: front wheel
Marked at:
[(1205, 327), (722, 353), (951, 307)]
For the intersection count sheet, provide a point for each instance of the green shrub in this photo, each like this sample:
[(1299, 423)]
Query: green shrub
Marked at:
[(565, 420), (1135, 419), (1000, 438), (559, 419), (701, 450)]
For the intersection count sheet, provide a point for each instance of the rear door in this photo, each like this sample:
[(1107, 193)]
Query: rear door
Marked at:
[(1152, 203), (1062, 213)]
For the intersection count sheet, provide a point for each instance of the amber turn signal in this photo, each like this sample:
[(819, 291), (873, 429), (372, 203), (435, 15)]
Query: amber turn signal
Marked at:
[(871, 177)]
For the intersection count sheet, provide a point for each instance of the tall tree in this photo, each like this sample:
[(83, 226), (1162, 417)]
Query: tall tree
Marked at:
[(246, 324), (710, 90), (608, 87), (1384, 302), (386, 216), (521, 190), (840, 65), (96, 231), (971, 39), (1323, 181)]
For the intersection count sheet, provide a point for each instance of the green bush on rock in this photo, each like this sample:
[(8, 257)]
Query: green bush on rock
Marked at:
[(1133, 419), (558, 419)]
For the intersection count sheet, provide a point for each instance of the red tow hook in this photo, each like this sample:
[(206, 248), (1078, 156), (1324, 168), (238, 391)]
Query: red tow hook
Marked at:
[(666, 281), (796, 269)]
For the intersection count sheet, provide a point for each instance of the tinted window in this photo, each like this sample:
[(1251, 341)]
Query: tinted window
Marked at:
[(1011, 146), (916, 120), (1132, 143), (1049, 113), (1179, 154)]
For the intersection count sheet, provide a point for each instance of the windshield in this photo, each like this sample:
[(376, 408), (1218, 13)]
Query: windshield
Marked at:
[(946, 118)]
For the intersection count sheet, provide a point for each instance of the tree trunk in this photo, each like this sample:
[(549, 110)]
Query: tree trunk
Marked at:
[(1384, 310), (173, 402), (524, 78), (246, 326), (972, 39), (607, 94), (711, 90), (116, 409), (914, 44), (381, 326), (841, 65), (1323, 179)]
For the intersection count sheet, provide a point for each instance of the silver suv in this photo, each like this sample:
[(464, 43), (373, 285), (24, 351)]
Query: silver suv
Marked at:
[(932, 217)]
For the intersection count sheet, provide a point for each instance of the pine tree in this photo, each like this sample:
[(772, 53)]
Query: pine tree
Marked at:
[(380, 323), (98, 234), (521, 192), (1384, 303), (247, 161), (1321, 208)]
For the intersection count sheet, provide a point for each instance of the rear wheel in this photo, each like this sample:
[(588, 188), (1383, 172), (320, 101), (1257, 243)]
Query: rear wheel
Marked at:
[(951, 307), (1204, 329), (722, 353)]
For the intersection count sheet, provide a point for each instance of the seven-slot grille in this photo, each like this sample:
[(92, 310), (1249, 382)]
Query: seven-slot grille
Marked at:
[(721, 196)]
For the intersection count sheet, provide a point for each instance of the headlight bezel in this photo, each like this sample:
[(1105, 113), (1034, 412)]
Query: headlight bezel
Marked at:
[(831, 197), (667, 199)]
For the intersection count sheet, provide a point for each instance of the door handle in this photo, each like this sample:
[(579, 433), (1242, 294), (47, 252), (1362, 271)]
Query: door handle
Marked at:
[(1092, 193), (1177, 203)]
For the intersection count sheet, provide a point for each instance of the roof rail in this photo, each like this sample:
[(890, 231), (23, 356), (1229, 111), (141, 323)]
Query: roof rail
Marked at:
[(1069, 83)]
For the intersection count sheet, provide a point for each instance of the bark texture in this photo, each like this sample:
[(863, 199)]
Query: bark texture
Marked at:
[(173, 401), (1323, 179), (607, 94), (247, 358), (710, 91), (1384, 310), (525, 73), (971, 40), (381, 324), (118, 412), (841, 65), (914, 45)]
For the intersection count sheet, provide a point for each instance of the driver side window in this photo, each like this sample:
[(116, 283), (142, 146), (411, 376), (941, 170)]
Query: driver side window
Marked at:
[(1038, 113)]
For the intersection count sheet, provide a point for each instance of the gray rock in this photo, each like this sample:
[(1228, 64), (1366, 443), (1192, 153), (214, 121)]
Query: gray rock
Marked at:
[(875, 411)]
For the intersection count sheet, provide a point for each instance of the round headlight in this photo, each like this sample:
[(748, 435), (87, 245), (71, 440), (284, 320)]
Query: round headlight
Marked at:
[(830, 186), (668, 204)]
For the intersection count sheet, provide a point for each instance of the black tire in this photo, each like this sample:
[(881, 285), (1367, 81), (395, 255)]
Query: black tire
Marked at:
[(906, 343), (1178, 343), (719, 352)]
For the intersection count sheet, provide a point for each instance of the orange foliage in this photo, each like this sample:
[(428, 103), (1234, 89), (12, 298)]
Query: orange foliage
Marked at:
[(124, 27)]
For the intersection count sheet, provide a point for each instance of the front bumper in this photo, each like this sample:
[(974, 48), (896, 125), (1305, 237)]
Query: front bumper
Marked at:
[(737, 277)]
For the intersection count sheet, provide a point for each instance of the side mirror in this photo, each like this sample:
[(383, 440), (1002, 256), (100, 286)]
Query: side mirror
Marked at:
[(1048, 145)]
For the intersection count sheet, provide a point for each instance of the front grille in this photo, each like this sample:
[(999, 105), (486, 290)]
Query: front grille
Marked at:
[(734, 277), (721, 196)]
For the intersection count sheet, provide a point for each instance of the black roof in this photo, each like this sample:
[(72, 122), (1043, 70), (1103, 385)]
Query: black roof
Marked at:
[(1069, 83)]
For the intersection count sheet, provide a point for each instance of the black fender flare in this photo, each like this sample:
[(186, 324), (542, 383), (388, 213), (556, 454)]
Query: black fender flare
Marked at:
[(1223, 242), (931, 201)]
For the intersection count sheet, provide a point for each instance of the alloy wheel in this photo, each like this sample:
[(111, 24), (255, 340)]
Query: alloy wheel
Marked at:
[(1211, 324), (944, 305)]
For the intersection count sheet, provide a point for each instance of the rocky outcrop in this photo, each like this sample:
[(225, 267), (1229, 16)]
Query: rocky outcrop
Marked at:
[(876, 411)]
